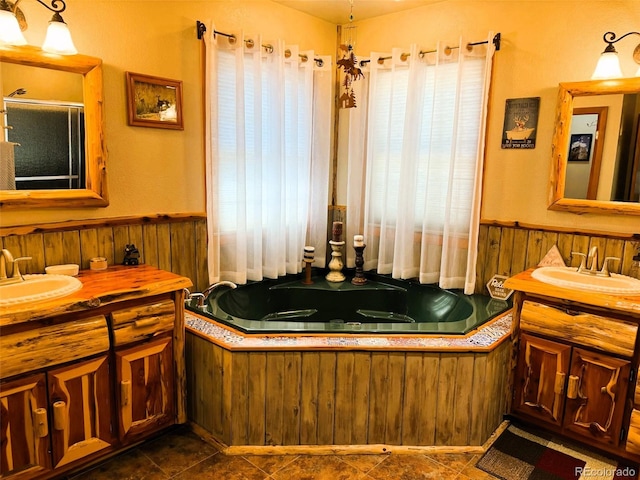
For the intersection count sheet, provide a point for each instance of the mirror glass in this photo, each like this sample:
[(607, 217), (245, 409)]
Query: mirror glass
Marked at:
[(596, 147), (44, 112), (54, 129)]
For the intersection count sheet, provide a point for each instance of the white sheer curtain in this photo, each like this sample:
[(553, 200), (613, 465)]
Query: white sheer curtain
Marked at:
[(267, 157), (419, 176)]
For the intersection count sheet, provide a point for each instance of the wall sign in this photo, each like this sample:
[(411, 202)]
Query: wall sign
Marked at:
[(520, 122), (497, 289)]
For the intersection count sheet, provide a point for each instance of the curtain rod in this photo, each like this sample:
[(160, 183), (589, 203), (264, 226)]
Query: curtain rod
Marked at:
[(201, 28), (447, 50)]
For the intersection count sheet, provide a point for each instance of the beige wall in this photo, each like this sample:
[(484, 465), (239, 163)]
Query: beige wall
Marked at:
[(544, 42), (154, 170), (159, 171)]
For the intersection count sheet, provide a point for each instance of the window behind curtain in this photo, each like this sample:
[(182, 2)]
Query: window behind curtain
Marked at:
[(424, 144), (260, 160), (432, 168)]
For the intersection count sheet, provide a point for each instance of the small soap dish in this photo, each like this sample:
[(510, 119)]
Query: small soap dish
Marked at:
[(70, 269)]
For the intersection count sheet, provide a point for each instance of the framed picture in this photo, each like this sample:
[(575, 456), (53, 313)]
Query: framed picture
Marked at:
[(154, 101), (520, 123), (580, 147)]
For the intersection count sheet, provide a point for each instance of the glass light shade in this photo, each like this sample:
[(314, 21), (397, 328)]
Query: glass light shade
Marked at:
[(58, 39), (638, 72), (10, 33), (608, 67)]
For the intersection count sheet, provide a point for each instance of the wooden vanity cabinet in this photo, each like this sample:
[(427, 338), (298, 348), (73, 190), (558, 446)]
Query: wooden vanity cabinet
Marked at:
[(540, 378), (571, 388), (80, 405), (79, 385), (574, 369), (144, 368), (24, 427), (596, 396), (145, 378), (63, 413)]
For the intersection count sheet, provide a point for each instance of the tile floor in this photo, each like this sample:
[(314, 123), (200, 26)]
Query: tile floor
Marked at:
[(182, 455)]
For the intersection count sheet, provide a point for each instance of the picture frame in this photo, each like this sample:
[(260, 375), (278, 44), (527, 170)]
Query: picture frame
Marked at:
[(520, 125), (580, 146), (154, 101)]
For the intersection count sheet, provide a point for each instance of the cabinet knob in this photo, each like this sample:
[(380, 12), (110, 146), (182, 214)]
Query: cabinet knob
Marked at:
[(40, 422), (60, 415), (558, 386), (125, 392), (573, 386)]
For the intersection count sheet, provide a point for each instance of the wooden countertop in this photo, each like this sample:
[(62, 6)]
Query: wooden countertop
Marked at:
[(100, 288), (524, 282)]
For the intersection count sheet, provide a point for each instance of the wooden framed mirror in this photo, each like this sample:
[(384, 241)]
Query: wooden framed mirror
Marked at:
[(623, 135), (94, 193)]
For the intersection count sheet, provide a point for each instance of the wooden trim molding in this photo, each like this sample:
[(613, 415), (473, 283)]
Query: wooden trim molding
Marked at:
[(6, 231), (556, 229), (345, 450)]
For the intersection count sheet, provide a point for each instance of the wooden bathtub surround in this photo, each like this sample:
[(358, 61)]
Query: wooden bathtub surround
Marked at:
[(345, 399), (87, 375), (576, 364)]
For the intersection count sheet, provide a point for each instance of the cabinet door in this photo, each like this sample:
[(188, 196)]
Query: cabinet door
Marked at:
[(540, 378), (24, 435), (596, 392), (145, 378), (79, 398)]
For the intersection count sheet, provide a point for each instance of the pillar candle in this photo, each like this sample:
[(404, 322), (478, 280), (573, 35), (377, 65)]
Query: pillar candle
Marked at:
[(336, 231), (308, 252), (358, 241)]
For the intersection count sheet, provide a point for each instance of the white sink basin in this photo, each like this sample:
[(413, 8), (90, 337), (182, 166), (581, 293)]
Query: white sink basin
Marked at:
[(568, 277), (37, 288)]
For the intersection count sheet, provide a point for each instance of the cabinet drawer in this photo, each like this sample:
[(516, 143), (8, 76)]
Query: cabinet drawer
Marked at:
[(602, 333), (53, 345), (142, 322)]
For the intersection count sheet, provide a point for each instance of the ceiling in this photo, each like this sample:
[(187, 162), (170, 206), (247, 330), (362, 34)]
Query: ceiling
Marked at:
[(337, 11)]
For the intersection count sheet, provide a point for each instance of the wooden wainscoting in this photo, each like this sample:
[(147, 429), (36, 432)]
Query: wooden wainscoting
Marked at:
[(176, 243), (511, 249), (277, 398)]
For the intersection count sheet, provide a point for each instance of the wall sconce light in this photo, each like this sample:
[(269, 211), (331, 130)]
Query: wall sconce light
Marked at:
[(609, 64), (58, 39)]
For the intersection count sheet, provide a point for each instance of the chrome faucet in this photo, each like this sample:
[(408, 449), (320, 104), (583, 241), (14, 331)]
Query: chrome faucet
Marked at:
[(589, 264), (188, 296), (209, 290), (9, 271), (593, 257)]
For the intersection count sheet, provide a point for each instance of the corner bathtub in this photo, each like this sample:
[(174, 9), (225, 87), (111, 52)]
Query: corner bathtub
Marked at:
[(382, 305), (280, 367)]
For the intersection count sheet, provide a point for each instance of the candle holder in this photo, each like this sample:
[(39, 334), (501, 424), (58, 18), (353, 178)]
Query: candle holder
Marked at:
[(359, 279), (336, 264)]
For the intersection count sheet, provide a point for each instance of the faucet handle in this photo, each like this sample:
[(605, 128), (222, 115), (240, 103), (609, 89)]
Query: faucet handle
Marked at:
[(16, 270), (583, 261), (605, 266)]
